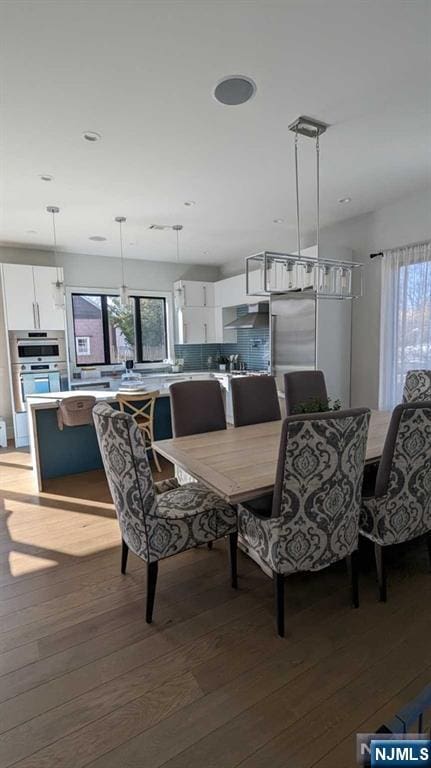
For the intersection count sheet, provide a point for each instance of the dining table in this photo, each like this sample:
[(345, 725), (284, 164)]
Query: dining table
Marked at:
[(239, 463)]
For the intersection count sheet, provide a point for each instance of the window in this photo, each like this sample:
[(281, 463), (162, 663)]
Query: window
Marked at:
[(405, 339), (107, 332), (153, 336), (83, 345)]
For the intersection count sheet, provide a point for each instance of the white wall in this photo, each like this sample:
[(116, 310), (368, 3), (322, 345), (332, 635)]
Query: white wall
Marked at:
[(104, 272), (403, 222), (94, 272)]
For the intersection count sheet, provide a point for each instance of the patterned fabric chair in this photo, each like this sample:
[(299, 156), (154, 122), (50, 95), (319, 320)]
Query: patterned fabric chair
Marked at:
[(312, 518), (155, 526), (400, 508), (302, 387), (417, 387)]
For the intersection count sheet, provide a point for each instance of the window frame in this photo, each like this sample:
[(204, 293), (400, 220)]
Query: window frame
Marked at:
[(104, 294)]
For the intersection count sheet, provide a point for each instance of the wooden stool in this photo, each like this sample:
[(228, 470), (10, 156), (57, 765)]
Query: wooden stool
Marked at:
[(143, 415)]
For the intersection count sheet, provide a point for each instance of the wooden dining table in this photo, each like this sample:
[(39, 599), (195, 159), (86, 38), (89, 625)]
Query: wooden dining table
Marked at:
[(240, 463)]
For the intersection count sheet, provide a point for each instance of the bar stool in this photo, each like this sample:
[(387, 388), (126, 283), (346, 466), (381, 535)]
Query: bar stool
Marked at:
[(142, 414)]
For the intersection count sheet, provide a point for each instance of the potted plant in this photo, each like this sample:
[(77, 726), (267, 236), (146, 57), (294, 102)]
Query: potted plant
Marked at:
[(316, 405), (222, 362), (177, 365)]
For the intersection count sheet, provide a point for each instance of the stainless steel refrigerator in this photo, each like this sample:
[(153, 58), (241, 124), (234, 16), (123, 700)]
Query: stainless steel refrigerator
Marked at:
[(308, 333)]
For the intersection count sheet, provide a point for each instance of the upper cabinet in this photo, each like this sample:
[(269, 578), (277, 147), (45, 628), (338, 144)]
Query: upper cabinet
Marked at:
[(28, 293), (231, 292), (195, 325), (193, 293)]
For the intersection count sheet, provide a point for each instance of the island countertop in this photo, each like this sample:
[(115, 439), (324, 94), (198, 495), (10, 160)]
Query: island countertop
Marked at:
[(50, 399), (58, 452)]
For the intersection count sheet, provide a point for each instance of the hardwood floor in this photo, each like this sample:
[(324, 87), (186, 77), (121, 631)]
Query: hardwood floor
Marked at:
[(84, 681)]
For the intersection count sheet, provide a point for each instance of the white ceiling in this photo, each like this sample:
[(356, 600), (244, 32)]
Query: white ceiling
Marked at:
[(142, 74)]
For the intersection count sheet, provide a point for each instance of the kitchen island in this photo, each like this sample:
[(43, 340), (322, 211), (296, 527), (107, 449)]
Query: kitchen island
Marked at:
[(56, 452)]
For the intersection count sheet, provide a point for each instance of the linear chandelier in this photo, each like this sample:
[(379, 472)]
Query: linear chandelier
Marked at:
[(272, 272)]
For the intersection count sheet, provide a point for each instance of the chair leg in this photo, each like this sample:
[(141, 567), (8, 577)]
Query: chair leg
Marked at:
[(279, 601), (124, 554), (428, 540), (233, 544), (353, 571), (156, 461), (381, 572), (152, 570)]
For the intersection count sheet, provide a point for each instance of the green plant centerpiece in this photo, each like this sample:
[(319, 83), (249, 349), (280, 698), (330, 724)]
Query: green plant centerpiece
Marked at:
[(316, 405)]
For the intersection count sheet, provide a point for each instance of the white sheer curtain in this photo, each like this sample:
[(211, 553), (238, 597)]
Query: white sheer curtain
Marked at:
[(405, 318)]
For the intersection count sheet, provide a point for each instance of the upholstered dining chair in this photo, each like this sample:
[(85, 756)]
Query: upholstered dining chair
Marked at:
[(417, 386), (301, 387), (254, 400), (196, 406), (400, 507), (141, 406), (312, 518), (156, 525)]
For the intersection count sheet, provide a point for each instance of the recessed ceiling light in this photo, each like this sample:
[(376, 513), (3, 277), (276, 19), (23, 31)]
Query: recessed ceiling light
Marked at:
[(97, 238), (234, 90), (91, 136), (345, 200), (189, 203), (46, 177), (278, 221)]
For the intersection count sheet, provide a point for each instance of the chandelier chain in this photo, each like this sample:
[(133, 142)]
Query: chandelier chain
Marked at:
[(298, 234), (318, 195)]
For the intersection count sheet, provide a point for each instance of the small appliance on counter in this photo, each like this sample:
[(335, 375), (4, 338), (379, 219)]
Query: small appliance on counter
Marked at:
[(130, 381)]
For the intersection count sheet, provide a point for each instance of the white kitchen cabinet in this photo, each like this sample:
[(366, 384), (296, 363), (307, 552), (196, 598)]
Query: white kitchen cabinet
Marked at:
[(18, 291), (28, 293), (231, 292), (50, 318), (193, 293), (196, 325), (224, 315)]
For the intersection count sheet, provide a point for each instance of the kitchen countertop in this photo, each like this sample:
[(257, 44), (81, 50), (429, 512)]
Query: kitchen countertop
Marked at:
[(50, 399), (153, 375)]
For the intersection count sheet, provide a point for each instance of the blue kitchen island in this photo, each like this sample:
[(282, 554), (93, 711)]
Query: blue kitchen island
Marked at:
[(56, 453)]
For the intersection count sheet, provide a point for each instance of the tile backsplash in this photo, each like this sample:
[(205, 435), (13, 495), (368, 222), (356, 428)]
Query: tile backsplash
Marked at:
[(252, 347)]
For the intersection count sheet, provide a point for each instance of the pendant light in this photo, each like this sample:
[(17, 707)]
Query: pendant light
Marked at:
[(58, 289), (177, 228), (272, 272), (124, 294)]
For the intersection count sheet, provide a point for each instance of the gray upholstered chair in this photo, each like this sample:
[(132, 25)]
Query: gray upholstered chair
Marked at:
[(254, 400), (196, 406), (417, 387), (302, 387), (400, 508), (312, 518), (155, 526)]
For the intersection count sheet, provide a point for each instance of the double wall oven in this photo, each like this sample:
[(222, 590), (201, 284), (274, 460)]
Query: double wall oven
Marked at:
[(38, 362)]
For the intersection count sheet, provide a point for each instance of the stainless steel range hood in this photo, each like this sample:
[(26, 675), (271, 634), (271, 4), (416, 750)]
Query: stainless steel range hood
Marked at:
[(256, 317)]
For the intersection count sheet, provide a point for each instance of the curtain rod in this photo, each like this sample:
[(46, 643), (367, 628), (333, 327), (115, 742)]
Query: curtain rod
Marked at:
[(400, 248)]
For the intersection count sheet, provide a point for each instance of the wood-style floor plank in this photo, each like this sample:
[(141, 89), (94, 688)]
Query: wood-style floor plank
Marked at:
[(85, 682)]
